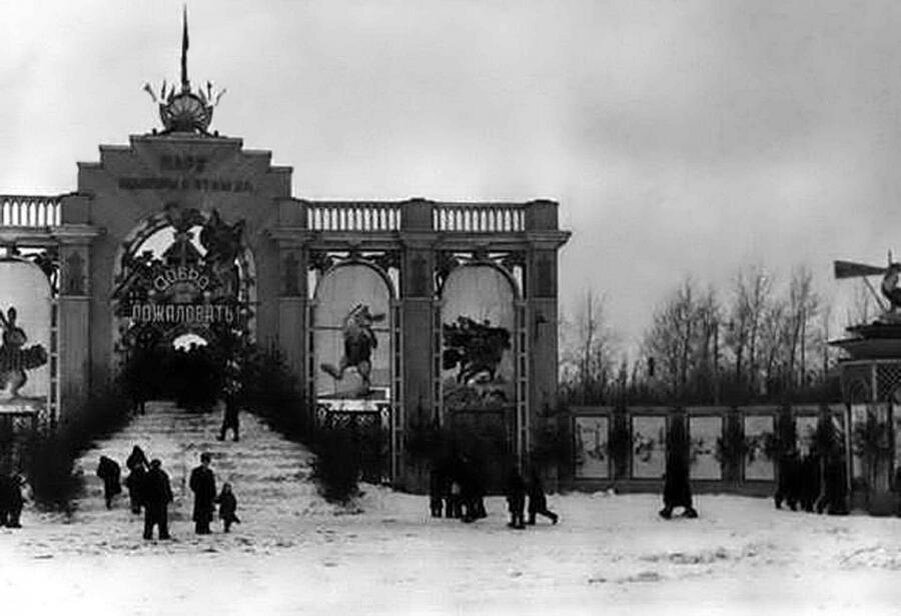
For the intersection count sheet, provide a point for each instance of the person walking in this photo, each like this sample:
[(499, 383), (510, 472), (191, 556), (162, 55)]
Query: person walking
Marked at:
[(137, 465), (232, 400), (676, 485), (228, 505), (230, 418), (156, 494), (516, 499), (788, 486), (11, 500), (203, 484), (437, 490), (110, 472), (538, 500)]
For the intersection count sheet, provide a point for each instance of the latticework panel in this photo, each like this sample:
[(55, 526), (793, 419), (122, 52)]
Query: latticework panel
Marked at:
[(888, 379)]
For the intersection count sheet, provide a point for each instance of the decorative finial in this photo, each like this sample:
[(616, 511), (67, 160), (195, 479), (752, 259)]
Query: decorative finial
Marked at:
[(185, 111)]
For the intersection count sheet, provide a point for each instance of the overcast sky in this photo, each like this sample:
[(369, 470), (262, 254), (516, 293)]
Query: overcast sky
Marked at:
[(678, 137)]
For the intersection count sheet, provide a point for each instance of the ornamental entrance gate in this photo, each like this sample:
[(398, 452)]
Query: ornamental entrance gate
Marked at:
[(385, 311)]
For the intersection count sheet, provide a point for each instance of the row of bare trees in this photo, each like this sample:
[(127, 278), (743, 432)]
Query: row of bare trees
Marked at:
[(762, 339)]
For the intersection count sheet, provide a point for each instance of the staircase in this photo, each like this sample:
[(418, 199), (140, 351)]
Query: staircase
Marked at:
[(270, 475)]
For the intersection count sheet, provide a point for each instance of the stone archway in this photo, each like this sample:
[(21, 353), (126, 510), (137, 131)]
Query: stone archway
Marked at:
[(181, 272)]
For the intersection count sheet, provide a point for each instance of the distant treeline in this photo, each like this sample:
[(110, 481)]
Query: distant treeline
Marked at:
[(759, 340)]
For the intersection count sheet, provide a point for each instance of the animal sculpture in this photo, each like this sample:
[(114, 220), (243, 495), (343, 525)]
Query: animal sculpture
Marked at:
[(15, 359), (359, 342)]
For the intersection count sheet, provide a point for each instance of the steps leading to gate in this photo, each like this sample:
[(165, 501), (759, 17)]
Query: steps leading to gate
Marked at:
[(268, 473)]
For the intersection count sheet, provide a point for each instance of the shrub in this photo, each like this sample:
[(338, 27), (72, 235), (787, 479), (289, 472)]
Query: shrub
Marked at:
[(269, 390), (337, 465)]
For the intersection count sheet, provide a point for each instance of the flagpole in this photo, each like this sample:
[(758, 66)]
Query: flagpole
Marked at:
[(185, 84)]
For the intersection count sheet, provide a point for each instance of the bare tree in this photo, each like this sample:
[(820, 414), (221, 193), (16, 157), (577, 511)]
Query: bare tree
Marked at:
[(683, 340), (588, 349), (803, 304)]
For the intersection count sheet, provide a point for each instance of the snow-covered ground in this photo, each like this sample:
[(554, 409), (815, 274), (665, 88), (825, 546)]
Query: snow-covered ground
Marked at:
[(293, 553)]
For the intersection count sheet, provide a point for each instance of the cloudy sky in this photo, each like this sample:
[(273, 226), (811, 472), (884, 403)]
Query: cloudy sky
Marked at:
[(679, 137)]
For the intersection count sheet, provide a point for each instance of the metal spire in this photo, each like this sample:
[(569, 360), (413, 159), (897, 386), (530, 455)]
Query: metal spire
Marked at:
[(185, 84)]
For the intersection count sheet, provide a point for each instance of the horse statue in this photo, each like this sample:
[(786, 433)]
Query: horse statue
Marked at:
[(14, 358), (477, 348), (359, 341)]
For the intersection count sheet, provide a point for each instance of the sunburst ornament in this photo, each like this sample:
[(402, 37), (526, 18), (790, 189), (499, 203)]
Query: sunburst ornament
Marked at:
[(185, 111)]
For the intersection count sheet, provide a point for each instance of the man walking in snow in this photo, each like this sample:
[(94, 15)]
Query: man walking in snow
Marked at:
[(137, 464), (787, 489), (538, 500), (203, 484), (516, 499), (156, 495), (11, 500), (676, 485), (109, 471)]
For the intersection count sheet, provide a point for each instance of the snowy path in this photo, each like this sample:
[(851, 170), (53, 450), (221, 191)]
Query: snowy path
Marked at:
[(293, 554)]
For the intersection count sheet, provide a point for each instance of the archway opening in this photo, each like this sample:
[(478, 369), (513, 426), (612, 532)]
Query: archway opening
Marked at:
[(183, 308)]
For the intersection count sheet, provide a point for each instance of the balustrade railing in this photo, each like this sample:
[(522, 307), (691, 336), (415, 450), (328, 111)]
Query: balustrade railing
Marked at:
[(350, 216), (479, 218), (37, 211), (29, 211)]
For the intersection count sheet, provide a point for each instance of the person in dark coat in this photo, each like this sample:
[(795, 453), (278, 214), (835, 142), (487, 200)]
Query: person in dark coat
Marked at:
[(809, 483), (454, 502), (834, 500), (203, 484), (516, 499), (11, 500), (228, 505), (230, 418), (468, 491), (5, 498), (137, 465), (156, 494), (231, 384), (437, 490), (538, 500), (109, 471), (676, 485), (789, 475), (477, 497)]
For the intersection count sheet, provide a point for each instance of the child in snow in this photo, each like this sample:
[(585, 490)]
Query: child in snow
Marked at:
[(228, 504)]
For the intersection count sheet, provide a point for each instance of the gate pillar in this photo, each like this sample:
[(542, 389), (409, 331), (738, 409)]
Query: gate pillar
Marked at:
[(541, 315), (417, 292), (292, 300), (74, 312)]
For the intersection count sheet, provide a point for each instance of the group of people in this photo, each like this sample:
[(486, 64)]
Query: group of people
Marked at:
[(456, 490), (812, 482), (517, 490), (149, 489), (194, 377)]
